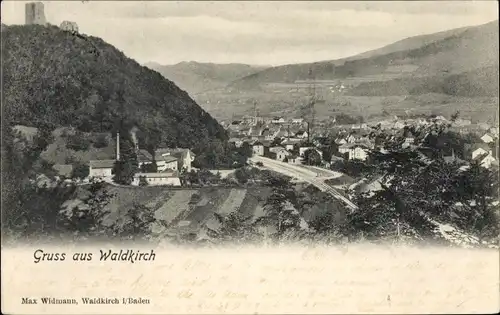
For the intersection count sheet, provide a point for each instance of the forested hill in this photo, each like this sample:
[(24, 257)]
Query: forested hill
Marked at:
[(452, 56), (52, 77)]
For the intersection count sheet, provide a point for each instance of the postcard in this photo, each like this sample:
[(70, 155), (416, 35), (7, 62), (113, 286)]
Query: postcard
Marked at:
[(250, 157)]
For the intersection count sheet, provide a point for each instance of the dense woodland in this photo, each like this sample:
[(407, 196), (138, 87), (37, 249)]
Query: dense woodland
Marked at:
[(53, 78)]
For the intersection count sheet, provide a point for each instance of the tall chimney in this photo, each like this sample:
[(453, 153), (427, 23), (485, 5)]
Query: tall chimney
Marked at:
[(118, 146)]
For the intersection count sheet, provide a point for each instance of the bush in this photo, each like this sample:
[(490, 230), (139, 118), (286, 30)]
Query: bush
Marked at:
[(101, 142), (241, 175), (143, 181), (78, 142), (80, 170)]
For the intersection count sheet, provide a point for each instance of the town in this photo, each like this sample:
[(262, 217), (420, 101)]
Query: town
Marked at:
[(288, 141)]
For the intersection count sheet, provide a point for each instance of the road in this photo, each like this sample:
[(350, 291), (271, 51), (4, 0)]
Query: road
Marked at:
[(304, 174)]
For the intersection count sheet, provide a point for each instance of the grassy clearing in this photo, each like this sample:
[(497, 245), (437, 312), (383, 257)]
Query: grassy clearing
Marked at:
[(282, 102), (57, 152)]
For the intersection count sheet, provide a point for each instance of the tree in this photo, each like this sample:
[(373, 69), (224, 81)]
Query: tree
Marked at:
[(28, 210), (246, 150), (149, 167), (417, 189), (125, 169), (280, 207), (87, 220), (136, 224), (331, 148), (241, 175), (235, 228), (80, 170), (312, 157), (477, 192), (78, 142), (143, 181), (101, 141)]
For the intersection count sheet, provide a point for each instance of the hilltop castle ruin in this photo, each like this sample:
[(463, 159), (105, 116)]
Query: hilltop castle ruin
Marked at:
[(69, 26)]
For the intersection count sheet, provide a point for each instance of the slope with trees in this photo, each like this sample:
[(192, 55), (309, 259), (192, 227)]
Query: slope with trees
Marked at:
[(56, 78)]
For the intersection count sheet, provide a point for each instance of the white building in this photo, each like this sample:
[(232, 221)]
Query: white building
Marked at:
[(167, 162), (358, 153), (408, 141), (297, 120), (238, 142), (480, 152), (258, 148), (184, 158), (487, 138), (280, 152), (157, 179), (488, 161), (293, 159), (352, 138), (355, 151), (289, 144), (278, 120), (101, 169)]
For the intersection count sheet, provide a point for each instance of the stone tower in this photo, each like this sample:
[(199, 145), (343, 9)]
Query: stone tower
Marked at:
[(35, 13)]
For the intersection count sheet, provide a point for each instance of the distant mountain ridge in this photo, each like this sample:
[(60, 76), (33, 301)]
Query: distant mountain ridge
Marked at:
[(52, 77), (448, 53), (195, 77)]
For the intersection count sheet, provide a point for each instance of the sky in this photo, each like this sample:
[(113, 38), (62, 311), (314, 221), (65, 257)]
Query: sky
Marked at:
[(260, 33)]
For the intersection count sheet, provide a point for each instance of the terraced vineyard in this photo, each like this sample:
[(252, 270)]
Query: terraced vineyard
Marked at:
[(233, 202), (186, 210)]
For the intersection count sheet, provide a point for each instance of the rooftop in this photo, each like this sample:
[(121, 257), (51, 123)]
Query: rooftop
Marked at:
[(102, 163), (157, 175)]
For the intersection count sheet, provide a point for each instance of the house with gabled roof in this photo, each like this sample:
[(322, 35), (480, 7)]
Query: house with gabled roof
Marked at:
[(279, 153), (238, 142), (488, 138), (293, 159), (289, 144), (479, 149), (340, 141), (144, 157), (258, 148), (302, 134), (101, 169), (184, 158), (357, 151), (278, 120)]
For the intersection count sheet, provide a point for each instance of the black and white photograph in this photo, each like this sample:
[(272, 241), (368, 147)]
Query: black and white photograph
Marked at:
[(208, 124)]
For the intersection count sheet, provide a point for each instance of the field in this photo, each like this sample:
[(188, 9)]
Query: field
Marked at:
[(288, 99), (185, 210)]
